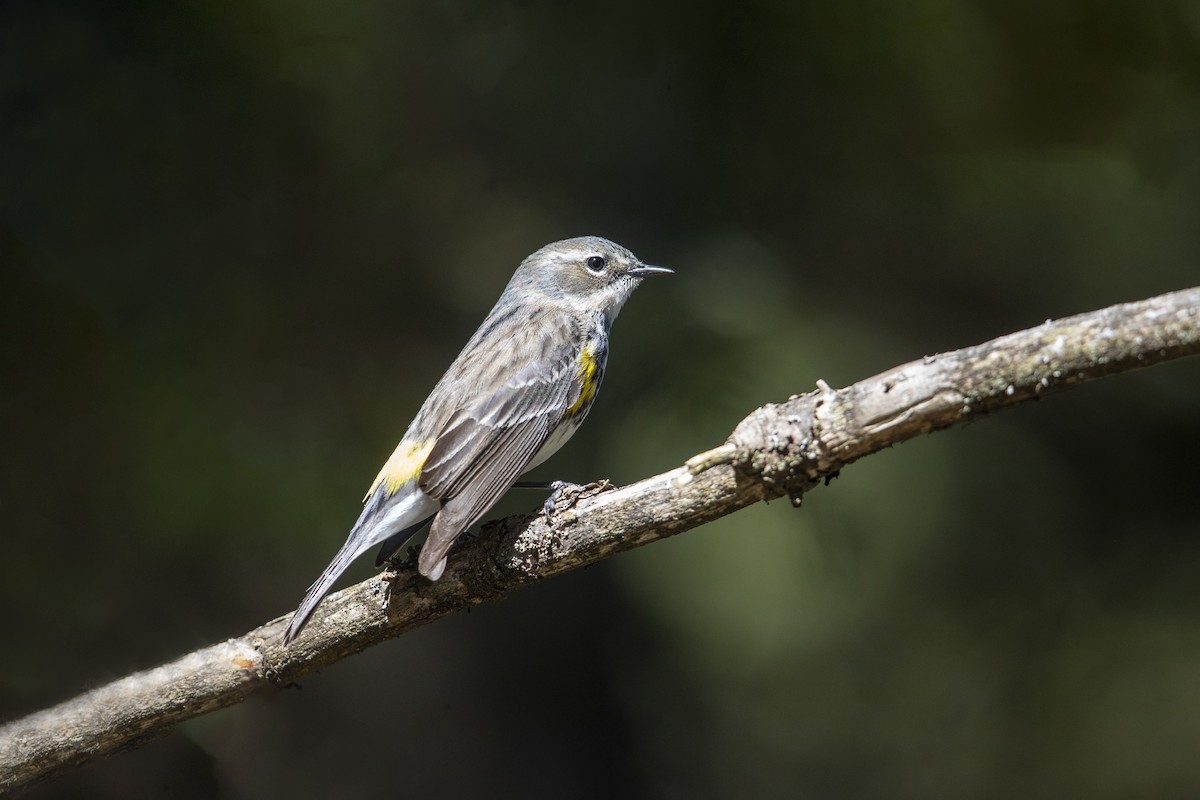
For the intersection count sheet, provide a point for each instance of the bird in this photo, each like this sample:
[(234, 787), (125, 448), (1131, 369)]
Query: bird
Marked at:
[(516, 393)]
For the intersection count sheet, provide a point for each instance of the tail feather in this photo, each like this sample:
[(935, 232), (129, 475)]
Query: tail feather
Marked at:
[(316, 593), (381, 517)]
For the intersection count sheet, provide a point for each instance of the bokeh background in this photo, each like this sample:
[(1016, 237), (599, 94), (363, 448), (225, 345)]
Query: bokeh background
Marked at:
[(240, 242)]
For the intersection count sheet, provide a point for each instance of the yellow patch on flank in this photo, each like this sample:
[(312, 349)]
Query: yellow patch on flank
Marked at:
[(587, 379), (404, 465)]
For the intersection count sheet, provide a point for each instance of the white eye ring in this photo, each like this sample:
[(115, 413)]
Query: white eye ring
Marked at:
[(595, 264)]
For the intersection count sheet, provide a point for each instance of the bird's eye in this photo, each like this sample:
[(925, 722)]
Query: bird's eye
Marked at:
[(595, 264)]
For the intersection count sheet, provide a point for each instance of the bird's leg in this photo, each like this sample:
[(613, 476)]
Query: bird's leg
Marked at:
[(556, 489)]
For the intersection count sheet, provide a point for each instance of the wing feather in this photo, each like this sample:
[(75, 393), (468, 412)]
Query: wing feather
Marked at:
[(483, 448)]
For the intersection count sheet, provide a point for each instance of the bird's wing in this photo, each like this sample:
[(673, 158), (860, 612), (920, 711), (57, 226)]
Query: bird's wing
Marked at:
[(484, 447)]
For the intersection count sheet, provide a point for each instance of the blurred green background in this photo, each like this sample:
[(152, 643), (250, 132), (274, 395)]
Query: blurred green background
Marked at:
[(240, 242)]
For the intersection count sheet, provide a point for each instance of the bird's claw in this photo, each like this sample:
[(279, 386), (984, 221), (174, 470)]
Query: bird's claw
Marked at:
[(404, 558), (557, 490)]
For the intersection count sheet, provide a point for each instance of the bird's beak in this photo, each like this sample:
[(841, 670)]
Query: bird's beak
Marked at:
[(642, 270)]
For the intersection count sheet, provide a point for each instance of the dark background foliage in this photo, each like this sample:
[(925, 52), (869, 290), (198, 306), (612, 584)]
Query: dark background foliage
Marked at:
[(239, 243)]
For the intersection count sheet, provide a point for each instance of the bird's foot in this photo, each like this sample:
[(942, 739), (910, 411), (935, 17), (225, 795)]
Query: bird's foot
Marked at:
[(564, 495), (408, 560), (557, 490)]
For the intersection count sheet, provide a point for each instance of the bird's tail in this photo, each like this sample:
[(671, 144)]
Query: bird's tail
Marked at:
[(381, 517)]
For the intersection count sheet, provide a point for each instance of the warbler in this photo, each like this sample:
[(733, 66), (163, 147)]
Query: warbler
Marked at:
[(515, 394)]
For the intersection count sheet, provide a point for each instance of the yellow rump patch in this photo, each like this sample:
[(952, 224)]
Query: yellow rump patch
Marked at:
[(587, 379), (404, 465)]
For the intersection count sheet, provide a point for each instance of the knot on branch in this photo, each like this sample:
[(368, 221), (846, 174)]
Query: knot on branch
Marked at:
[(779, 444)]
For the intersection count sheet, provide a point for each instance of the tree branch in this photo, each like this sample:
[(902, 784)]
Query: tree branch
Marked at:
[(779, 450)]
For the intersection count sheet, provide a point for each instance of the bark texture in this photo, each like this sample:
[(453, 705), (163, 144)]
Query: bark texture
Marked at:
[(779, 450)]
